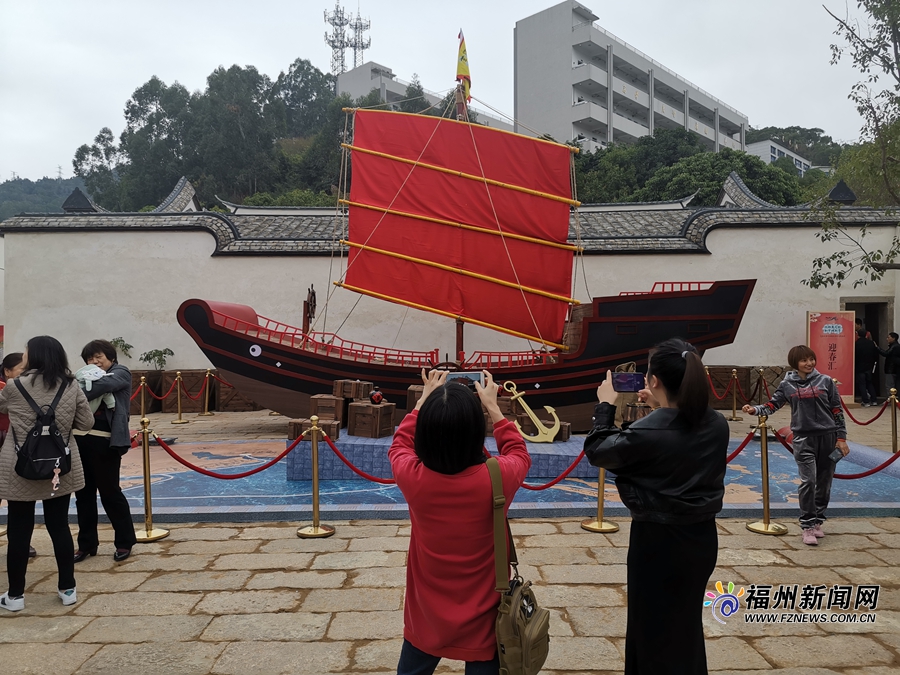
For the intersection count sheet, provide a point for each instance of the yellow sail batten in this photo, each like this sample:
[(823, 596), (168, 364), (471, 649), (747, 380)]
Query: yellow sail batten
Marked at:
[(459, 270), (463, 226), (462, 174), (450, 315)]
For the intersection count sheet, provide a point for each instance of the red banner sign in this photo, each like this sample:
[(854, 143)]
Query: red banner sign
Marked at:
[(832, 336)]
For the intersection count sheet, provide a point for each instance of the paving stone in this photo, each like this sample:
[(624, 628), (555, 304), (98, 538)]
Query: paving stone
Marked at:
[(849, 650), (213, 547), (852, 542), (736, 627), (257, 532), (889, 540), (888, 555), (380, 577), (878, 670), (96, 582), (886, 621), (264, 580), (573, 526), (248, 602), (283, 658), (128, 629), (887, 524), (284, 627), (199, 533), (598, 621), (20, 628), (557, 556), (521, 528), (152, 658), (754, 556), (559, 627), (38, 657), (197, 581), (366, 625), (812, 556), (782, 574), (584, 574), (263, 561), (358, 530), (751, 541), (578, 596), (379, 544), (360, 559), (584, 653), (353, 599), (732, 652), (885, 576), (169, 563), (382, 654), (586, 540), (781, 671), (137, 603), (608, 556), (305, 545), (891, 640)]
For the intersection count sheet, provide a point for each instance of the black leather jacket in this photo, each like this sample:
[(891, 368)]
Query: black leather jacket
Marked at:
[(666, 472)]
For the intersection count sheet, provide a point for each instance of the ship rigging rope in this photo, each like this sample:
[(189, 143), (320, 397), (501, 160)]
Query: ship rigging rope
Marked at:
[(844, 476), (227, 476), (339, 219), (862, 424)]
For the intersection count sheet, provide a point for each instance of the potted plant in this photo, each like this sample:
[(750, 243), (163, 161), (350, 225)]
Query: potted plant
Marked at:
[(192, 379)]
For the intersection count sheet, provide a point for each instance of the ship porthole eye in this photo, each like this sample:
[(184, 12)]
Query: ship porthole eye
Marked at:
[(255, 350)]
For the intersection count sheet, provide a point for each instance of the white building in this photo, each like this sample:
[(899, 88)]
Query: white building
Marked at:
[(770, 151), (575, 80)]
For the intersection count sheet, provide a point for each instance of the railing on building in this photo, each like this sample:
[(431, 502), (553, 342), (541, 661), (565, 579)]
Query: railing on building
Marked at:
[(673, 287)]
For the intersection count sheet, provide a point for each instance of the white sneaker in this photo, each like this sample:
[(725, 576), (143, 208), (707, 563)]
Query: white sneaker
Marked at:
[(68, 597), (12, 604)]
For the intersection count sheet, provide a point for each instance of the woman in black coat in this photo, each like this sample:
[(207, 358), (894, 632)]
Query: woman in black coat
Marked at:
[(670, 472)]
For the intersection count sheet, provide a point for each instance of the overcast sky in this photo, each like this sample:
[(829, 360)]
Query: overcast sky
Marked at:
[(67, 68)]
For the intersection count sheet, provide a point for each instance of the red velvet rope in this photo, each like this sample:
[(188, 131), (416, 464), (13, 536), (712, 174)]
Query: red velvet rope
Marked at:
[(558, 478), (199, 393), (137, 391), (227, 384), (359, 472), (862, 424), (752, 393), (166, 395), (713, 388), (766, 385), (226, 476), (845, 476), (740, 448)]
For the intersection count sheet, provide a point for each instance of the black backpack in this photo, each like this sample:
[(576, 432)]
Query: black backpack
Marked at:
[(44, 455)]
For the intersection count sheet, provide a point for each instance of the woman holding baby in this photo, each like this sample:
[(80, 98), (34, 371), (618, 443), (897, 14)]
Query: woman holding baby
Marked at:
[(101, 452)]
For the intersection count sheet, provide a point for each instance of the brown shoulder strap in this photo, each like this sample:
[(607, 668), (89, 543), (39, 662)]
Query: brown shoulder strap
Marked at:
[(501, 563)]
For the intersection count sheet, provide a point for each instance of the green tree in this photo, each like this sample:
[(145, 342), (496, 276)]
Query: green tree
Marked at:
[(46, 195), (787, 165), (98, 166), (304, 93), (812, 144), (414, 100)]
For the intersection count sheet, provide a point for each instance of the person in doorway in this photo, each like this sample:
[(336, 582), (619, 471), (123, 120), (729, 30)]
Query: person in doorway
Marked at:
[(860, 327), (12, 366), (670, 473), (102, 450), (891, 362), (864, 363), (817, 422)]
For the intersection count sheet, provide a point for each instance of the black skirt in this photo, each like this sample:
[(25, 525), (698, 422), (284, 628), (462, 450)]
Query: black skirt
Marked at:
[(668, 572)]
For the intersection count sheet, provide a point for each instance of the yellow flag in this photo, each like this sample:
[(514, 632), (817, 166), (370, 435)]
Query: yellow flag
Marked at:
[(462, 67)]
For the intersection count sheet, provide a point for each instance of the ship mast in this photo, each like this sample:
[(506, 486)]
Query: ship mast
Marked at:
[(462, 114)]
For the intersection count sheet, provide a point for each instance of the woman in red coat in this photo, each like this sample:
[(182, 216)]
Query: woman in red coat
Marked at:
[(438, 461)]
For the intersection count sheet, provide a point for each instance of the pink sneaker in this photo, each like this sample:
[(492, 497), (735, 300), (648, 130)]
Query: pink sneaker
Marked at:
[(818, 532), (809, 537)]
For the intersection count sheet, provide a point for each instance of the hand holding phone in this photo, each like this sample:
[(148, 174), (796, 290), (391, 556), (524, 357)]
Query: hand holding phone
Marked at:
[(836, 455), (628, 382)]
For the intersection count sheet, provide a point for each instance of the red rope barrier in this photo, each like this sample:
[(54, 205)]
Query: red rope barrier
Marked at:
[(359, 472), (227, 384), (766, 385), (713, 388), (847, 476), (225, 476), (136, 392), (752, 393), (740, 448), (558, 478), (166, 395), (199, 393), (862, 424)]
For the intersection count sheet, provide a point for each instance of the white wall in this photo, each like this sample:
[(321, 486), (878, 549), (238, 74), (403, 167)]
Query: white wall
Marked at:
[(80, 286)]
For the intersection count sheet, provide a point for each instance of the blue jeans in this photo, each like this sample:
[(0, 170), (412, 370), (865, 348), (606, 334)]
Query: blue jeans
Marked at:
[(414, 661)]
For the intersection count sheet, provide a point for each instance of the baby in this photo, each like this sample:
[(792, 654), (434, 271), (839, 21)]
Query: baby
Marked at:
[(86, 377)]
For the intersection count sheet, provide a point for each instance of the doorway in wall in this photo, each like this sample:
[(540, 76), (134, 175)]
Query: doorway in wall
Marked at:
[(877, 316)]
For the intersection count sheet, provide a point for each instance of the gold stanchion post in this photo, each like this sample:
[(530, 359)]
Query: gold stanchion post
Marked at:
[(765, 527), (762, 387), (143, 388), (893, 400), (599, 525), (150, 533), (178, 398), (734, 387), (316, 530), (206, 382)]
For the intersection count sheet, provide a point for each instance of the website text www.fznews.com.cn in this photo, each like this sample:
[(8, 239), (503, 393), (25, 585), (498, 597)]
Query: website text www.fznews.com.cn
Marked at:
[(798, 617)]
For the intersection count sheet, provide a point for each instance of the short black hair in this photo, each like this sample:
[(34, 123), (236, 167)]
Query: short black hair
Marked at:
[(47, 358), (861, 332), (450, 430), (104, 347), (10, 361), (894, 335)]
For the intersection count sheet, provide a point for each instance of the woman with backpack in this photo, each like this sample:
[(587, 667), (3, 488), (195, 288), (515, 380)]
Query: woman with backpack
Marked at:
[(670, 473), (438, 460), (46, 380)]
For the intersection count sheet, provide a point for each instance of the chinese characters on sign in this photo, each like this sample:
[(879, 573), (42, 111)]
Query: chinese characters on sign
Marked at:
[(831, 336)]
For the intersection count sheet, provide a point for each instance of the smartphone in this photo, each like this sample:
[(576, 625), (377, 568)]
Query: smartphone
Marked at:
[(628, 382), (836, 456), (467, 378)]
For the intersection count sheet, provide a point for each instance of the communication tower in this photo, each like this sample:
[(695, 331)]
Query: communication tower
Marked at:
[(338, 21), (358, 42)]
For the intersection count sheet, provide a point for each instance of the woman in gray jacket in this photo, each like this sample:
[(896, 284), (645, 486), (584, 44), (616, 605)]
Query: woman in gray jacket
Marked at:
[(47, 370)]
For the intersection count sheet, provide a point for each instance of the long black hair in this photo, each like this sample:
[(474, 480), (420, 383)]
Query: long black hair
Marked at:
[(450, 430), (678, 366), (47, 358)]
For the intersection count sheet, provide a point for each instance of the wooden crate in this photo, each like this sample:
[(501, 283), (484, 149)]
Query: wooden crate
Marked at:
[(229, 399), (330, 427), (329, 407), (193, 380), (413, 394), (721, 377), (352, 389), (154, 381), (575, 324), (370, 420)]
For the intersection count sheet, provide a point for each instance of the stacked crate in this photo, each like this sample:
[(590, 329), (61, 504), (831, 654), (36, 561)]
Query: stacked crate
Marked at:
[(331, 427)]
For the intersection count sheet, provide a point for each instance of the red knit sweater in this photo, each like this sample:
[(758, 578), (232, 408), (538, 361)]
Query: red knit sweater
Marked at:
[(451, 604)]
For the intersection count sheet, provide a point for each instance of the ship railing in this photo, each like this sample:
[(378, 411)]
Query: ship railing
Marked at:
[(327, 344), (489, 360), (673, 287)]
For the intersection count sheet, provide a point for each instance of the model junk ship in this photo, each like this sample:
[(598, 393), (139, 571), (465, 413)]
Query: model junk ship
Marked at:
[(470, 223)]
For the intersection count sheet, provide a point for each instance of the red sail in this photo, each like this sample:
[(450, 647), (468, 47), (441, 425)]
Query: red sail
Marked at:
[(423, 232)]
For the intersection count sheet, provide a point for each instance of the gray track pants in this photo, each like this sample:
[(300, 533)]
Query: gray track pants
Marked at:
[(816, 473)]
